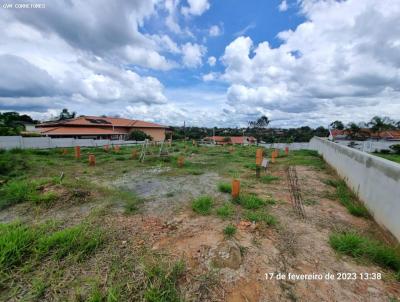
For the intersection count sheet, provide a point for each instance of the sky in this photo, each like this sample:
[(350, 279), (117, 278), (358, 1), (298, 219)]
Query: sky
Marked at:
[(203, 62)]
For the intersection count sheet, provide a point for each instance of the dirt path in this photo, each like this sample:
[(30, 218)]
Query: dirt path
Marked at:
[(296, 245)]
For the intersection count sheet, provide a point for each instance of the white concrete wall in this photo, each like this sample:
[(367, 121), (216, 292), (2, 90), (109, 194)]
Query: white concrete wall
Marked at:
[(369, 146), (292, 146), (18, 142), (375, 180)]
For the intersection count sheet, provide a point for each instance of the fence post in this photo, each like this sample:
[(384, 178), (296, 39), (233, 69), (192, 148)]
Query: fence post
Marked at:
[(235, 188)]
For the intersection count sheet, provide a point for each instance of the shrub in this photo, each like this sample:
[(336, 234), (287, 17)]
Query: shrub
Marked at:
[(138, 135), (224, 187), (355, 245), (230, 230), (385, 151), (202, 205), (395, 148), (225, 211)]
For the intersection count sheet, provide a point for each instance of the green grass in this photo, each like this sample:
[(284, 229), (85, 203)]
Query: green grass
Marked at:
[(249, 201), (78, 240), (16, 243), (350, 201), (392, 157), (304, 158), (202, 205), (225, 211), (131, 202), (268, 179), (20, 241), (224, 187), (162, 281), (260, 216), (230, 230), (357, 246)]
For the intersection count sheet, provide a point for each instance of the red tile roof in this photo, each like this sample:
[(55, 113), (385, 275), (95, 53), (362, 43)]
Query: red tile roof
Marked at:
[(103, 122), (80, 131)]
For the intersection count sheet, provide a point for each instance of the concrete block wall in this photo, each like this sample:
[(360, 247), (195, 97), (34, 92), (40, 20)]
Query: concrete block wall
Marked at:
[(375, 180), (18, 142)]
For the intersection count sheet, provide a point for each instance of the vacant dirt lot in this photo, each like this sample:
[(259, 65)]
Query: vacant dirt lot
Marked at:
[(130, 231)]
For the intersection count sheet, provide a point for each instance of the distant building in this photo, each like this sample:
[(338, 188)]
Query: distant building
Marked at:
[(367, 134), (231, 140), (95, 127)]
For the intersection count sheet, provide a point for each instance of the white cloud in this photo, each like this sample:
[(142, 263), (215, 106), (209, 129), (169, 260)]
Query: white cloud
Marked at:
[(283, 6), (211, 61), (343, 61), (214, 31), (192, 54), (196, 7)]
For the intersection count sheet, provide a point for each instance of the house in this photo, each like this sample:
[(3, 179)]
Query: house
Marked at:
[(95, 127), (366, 134), (231, 140)]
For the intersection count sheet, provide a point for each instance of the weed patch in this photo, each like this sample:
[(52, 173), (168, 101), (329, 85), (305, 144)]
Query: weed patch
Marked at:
[(268, 179), (357, 246), (249, 201), (347, 198), (202, 205), (260, 216), (224, 187), (230, 230), (225, 211)]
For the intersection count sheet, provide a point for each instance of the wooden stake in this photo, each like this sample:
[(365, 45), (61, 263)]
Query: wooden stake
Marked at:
[(117, 148), (106, 148), (92, 160), (77, 152), (65, 151), (181, 161), (235, 188), (286, 150), (134, 153)]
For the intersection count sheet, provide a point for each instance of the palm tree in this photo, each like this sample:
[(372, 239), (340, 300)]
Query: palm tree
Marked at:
[(378, 123)]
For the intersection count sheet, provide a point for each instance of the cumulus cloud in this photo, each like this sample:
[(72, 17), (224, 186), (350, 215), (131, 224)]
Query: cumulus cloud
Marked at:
[(211, 61), (283, 6), (196, 7), (193, 54), (214, 31), (344, 57)]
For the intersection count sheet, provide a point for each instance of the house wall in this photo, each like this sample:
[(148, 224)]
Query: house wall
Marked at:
[(158, 134), (375, 180)]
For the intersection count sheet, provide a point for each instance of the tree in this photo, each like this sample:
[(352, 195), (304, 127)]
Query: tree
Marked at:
[(395, 148), (378, 123), (138, 135), (353, 130), (66, 115), (259, 126), (337, 125)]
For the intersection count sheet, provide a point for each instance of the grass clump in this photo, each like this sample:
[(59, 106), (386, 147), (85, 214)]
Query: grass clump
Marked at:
[(357, 246), (347, 198), (225, 211), (230, 230), (260, 216), (268, 179), (250, 202), (131, 202), (162, 281), (77, 240), (16, 243), (203, 205), (224, 187)]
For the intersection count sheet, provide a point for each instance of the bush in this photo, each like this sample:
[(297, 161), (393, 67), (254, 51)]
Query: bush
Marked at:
[(355, 245), (138, 135), (230, 230), (395, 148), (202, 205), (384, 151), (224, 187)]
